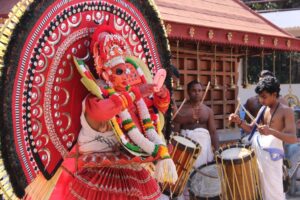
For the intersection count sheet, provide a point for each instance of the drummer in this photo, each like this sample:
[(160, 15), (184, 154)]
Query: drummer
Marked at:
[(196, 121), (253, 104), (275, 126)]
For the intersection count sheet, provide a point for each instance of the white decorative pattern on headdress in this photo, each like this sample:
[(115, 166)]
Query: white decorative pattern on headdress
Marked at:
[(114, 61)]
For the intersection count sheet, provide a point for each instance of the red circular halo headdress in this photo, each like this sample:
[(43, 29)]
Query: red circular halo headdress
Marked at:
[(41, 89), (109, 48)]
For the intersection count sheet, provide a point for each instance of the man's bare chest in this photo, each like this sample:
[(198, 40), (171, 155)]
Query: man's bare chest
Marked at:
[(273, 120), (197, 113)]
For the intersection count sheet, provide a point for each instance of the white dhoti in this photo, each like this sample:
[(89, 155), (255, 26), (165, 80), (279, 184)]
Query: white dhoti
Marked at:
[(270, 170), (201, 136)]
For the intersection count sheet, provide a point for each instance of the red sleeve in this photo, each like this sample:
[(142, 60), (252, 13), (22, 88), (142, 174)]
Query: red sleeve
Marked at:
[(162, 104), (101, 109)]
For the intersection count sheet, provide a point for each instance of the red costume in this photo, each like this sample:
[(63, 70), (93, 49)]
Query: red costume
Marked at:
[(101, 174), (51, 147)]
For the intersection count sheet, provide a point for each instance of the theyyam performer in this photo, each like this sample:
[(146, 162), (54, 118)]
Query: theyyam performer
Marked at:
[(134, 117), (92, 134)]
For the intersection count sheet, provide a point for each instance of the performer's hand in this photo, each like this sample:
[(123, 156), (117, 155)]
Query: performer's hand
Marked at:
[(264, 130), (162, 93), (234, 118), (146, 89)]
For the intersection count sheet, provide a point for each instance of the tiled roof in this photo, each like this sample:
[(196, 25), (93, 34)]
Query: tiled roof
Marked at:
[(216, 21), (230, 15), (228, 22)]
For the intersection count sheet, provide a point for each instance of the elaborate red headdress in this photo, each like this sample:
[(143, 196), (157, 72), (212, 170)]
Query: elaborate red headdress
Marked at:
[(40, 115), (108, 48)]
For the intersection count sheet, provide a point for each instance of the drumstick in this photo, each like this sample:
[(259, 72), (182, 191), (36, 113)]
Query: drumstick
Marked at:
[(206, 90), (174, 103), (237, 108), (235, 112), (249, 114), (177, 111)]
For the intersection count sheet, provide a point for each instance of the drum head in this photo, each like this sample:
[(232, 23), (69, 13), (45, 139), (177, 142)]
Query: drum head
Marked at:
[(235, 153), (185, 141), (205, 182)]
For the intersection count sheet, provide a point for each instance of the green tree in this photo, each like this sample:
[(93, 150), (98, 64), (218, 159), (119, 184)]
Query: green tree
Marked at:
[(282, 67), (282, 58), (260, 5)]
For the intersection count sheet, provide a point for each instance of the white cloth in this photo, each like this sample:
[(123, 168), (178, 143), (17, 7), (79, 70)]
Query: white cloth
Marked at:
[(163, 197), (184, 196), (91, 141), (245, 139), (201, 136), (270, 172)]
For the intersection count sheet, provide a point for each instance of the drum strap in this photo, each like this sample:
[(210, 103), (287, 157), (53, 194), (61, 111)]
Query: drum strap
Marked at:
[(261, 114)]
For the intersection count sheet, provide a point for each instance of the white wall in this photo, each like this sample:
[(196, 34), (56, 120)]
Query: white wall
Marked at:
[(245, 93)]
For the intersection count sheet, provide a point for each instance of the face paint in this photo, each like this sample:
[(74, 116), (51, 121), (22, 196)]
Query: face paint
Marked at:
[(124, 75), (109, 55)]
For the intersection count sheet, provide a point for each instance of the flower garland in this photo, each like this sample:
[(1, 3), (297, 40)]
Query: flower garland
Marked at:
[(165, 170), (152, 145)]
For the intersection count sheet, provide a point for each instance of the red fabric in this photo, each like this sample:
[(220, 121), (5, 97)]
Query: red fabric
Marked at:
[(128, 98), (61, 187), (149, 102), (90, 166), (113, 183), (111, 159), (162, 104), (137, 93), (69, 168), (105, 109), (117, 100), (101, 109), (98, 31), (153, 116)]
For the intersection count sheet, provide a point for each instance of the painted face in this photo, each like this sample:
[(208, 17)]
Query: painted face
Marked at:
[(266, 98), (123, 75), (195, 92)]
